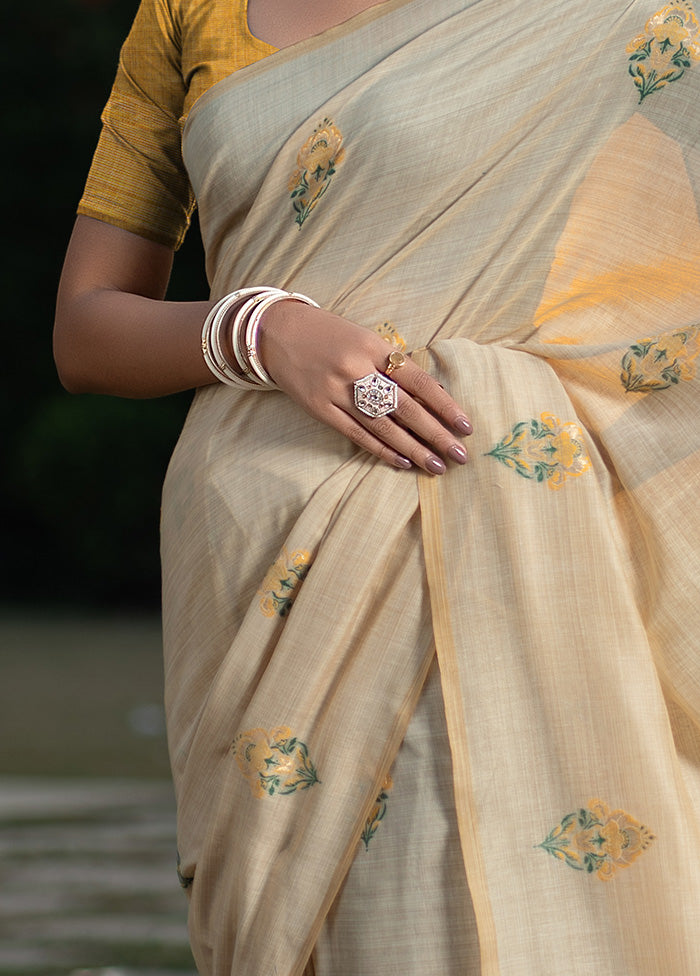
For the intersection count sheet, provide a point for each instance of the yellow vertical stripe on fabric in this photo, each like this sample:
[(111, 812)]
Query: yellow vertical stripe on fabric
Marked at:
[(305, 964), (450, 679)]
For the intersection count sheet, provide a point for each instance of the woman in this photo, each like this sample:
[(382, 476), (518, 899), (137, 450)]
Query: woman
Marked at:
[(473, 742)]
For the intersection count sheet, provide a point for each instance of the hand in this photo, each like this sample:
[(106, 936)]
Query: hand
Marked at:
[(315, 356)]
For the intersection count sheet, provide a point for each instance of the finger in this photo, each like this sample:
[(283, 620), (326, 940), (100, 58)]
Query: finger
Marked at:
[(356, 432), (406, 444), (383, 438), (432, 395), (423, 424), (402, 423)]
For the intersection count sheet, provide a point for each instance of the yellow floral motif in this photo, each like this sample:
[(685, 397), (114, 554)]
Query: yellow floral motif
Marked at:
[(659, 362), (669, 45), (377, 813), (282, 580), (598, 840), (317, 162), (387, 331), (273, 761), (544, 450)]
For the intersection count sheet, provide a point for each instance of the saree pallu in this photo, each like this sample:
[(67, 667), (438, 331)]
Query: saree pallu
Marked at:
[(511, 194)]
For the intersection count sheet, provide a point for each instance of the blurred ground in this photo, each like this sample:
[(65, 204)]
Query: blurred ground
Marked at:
[(81, 696), (88, 885)]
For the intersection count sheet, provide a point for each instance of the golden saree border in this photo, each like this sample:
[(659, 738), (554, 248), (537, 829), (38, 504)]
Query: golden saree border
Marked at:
[(450, 681), (275, 58)]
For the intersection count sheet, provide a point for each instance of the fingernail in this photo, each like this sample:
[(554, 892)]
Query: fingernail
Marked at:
[(462, 425), (457, 453), (435, 465), (402, 462)]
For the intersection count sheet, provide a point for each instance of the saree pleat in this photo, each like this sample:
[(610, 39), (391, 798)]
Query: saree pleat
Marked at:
[(512, 197)]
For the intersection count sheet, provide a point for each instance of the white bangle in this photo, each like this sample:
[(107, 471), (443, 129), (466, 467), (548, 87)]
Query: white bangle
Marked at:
[(211, 342), (251, 334), (244, 375), (212, 348), (238, 335), (253, 302)]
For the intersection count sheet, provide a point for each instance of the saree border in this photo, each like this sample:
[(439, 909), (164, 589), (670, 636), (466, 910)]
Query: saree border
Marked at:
[(279, 56), (475, 867), (389, 754)]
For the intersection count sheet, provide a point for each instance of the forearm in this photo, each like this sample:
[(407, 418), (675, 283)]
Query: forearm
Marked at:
[(129, 345), (114, 334)]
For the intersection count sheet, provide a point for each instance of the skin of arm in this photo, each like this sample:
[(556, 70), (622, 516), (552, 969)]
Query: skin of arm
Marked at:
[(114, 334)]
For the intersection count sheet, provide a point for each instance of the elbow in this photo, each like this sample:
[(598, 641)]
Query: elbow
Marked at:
[(68, 376), (81, 357), (70, 365), (70, 380)]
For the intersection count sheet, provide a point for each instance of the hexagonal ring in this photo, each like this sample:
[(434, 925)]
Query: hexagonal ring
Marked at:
[(376, 395)]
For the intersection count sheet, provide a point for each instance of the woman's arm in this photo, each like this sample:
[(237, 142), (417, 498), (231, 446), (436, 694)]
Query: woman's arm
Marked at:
[(114, 334)]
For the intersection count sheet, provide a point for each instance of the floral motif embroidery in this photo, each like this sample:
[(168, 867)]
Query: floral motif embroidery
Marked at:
[(317, 161), (378, 812), (274, 761), (544, 450), (659, 362), (598, 839), (281, 584), (670, 44), (387, 331)]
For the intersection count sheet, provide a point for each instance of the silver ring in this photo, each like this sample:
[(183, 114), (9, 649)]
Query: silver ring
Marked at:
[(376, 395)]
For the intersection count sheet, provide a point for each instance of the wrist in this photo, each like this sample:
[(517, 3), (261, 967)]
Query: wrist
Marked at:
[(231, 333)]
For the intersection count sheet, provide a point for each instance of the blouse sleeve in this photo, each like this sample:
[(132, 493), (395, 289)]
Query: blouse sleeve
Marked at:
[(137, 180)]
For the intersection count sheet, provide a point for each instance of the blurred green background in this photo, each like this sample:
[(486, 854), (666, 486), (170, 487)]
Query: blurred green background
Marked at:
[(81, 476)]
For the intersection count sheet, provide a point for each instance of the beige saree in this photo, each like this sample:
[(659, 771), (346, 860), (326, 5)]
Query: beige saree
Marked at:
[(510, 192)]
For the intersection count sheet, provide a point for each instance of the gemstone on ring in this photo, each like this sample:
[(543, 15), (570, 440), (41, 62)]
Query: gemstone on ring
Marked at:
[(375, 395), (396, 361)]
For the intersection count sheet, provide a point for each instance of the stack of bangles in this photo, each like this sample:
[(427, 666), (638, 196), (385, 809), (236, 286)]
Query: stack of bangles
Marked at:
[(240, 335)]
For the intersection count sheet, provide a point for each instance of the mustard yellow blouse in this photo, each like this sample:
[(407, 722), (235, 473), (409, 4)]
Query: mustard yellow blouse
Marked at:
[(175, 51)]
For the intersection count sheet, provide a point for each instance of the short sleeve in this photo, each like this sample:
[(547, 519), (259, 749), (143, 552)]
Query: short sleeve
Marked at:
[(137, 180)]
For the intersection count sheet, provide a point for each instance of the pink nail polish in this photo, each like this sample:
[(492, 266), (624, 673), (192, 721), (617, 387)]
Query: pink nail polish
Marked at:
[(402, 462), (462, 425), (457, 453), (435, 465)]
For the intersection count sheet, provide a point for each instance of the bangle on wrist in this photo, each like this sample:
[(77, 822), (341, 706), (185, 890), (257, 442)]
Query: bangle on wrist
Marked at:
[(251, 332), (242, 340)]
